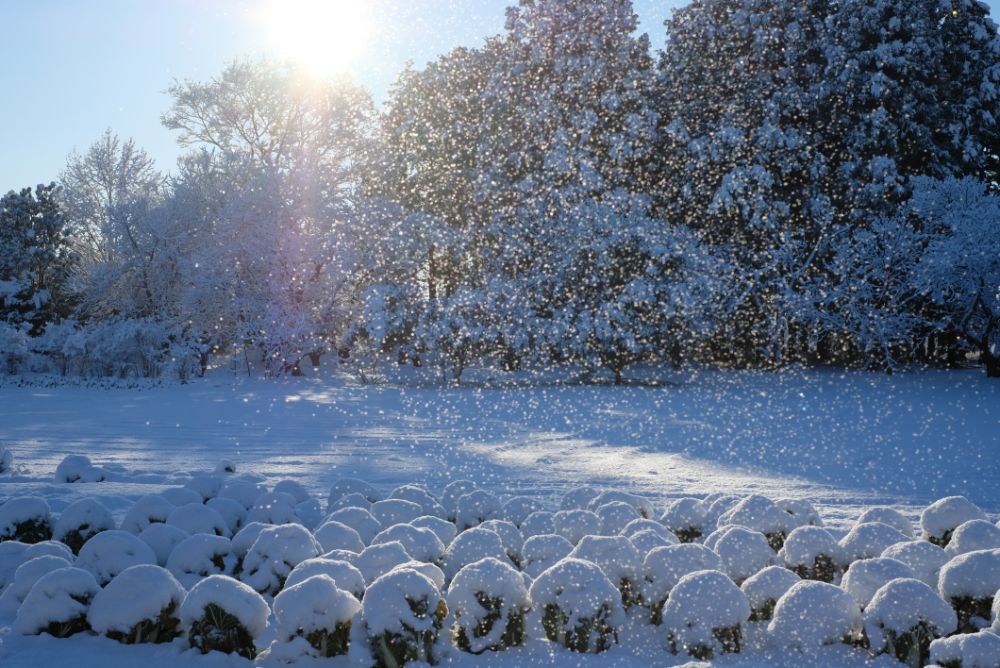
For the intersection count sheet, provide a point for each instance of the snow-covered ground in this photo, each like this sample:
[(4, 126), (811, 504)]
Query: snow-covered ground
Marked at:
[(842, 440)]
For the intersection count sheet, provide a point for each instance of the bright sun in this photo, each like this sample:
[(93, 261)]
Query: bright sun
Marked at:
[(323, 35)]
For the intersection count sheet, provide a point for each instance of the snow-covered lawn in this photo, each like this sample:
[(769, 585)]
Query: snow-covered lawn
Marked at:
[(843, 441)]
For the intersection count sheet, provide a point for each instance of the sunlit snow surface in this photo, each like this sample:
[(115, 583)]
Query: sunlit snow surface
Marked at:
[(842, 440)]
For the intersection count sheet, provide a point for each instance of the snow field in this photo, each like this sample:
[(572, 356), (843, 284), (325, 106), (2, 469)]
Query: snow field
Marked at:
[(424, 588)]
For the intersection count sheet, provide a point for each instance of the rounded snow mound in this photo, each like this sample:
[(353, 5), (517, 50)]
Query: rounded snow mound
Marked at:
[(147, 510), (59, 597), (314, 604), (973, 535), (765, 588), (542, 552), (580, 590), (972, 575), (868, 540), (573, 525), (343, 574), (394, 600), (664, 567), (968, 650), (812, 614), (136, 594), (420, 544), (485, 591), (939, 519), (901, 605), (924, 559), (469, 547), (275, 553), (867, 576), (890, 516), (333, 535), (110, 552), (702, 602), (233, 596)]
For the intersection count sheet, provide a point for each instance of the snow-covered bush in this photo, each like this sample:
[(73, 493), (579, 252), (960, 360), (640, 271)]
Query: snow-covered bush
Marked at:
[(377, 560), (25, 519), (642, 524), (802, 512), (664, 567), (867, 576), (344, 575), (510, 535), (198, 518), (890, 516), (973, 535), (198, 556), (489, 600), (969, 650), (686, 518), (542, 552), (147, 510), (620, 561), (578, 498), (763, 589), (273, 508), (649, 539), (812, 614), (81, 520), (517, 509), (580, 607), (231, 511), (452, 492), (359, 519), (242, 491), (353, 500), (162, 539), (474, 508), (443, 529), (868, 540), (207, 485), (395, 511), (422, 497), (294, 489), (420, 544), (345, 486), (110, 552), (57, 604), (575, 524), (25, 577), (704, 615), (273, 555), (969, 582), (140, 605), (333, 535), (743, 551), (615, 515), (902, 619), (224, 615), (78, 468), (470, 546), (942, 517), (317, 610), (641, 504), (180, 496), (759, 513), (538, 523), (923, 557), (403, 612), (813, 553)]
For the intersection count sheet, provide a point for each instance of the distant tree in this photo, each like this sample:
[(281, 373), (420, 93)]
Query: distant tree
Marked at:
[(566, 139), (36, 259), (959, 271), (99, 191)]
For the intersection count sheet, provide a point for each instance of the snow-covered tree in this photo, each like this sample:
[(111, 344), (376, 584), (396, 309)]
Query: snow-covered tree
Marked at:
[(567, 133), (959, 272), (36, 259)]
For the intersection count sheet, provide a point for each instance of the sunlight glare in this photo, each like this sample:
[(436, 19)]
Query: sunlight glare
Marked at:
[(324, 36)]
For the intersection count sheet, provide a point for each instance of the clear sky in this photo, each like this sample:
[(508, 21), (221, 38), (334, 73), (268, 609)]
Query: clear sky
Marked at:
[(71, 68)]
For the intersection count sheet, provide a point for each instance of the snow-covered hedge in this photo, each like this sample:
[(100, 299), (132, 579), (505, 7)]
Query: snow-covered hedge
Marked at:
[(381, 592)]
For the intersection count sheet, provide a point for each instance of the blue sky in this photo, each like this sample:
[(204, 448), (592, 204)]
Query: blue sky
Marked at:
[(72, 68)]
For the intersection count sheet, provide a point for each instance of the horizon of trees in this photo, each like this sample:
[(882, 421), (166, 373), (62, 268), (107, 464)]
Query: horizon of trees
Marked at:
[(811, 182)]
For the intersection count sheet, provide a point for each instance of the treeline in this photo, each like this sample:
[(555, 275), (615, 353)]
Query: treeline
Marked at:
[(784, 182)]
